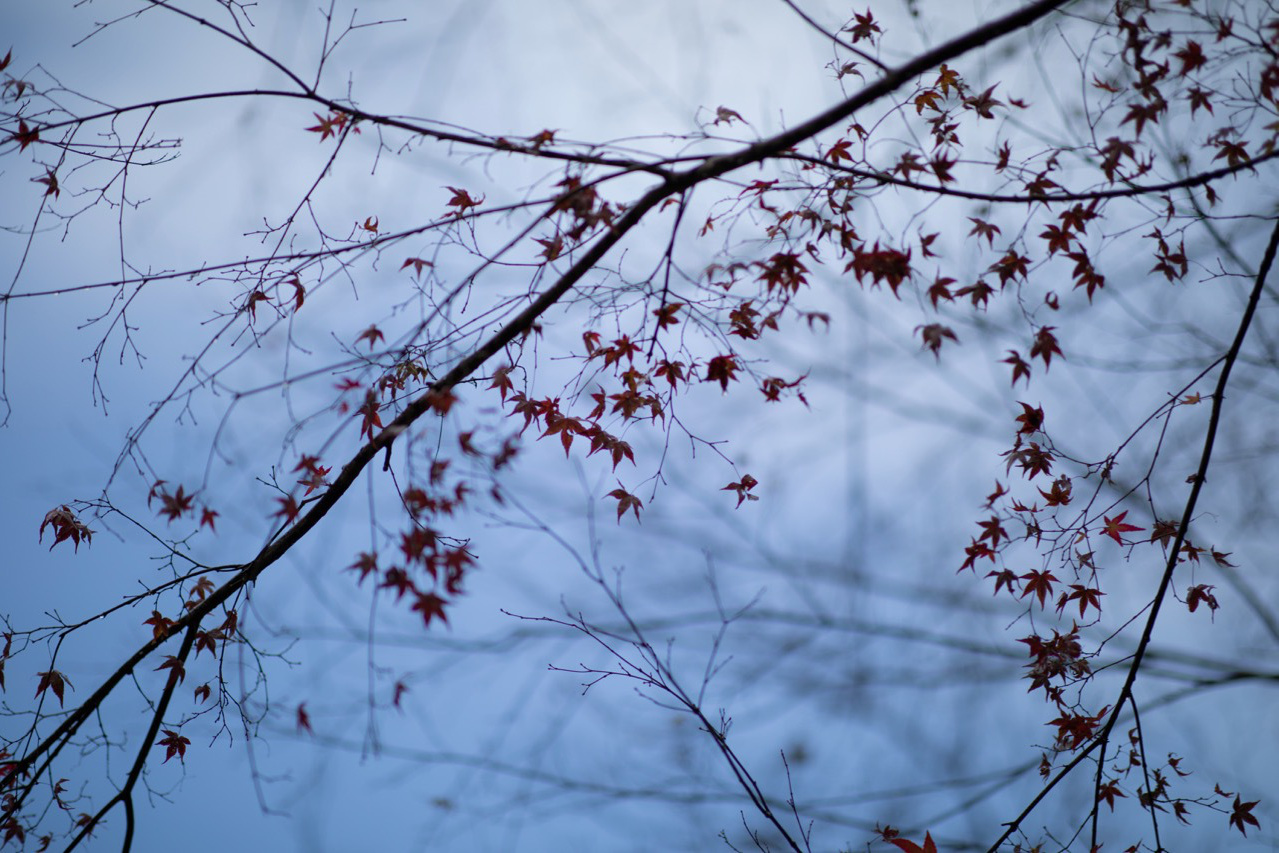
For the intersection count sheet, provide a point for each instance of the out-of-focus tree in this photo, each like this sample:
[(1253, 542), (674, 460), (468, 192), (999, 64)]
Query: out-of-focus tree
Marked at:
[(1034, 250)]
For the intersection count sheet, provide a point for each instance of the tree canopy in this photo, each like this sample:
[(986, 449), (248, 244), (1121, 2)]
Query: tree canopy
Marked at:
[(881, 396)]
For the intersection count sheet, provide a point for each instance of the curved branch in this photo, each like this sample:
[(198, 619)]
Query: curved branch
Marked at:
[(1188, 514), (125, 794), (673, 184), (478, 141), (1088, 195)]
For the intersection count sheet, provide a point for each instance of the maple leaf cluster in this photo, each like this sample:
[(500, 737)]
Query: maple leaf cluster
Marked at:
[(585, 209), (65, 526), (175, 505), (743, 489), (314, 475), (334, 124), (433, 567), (1061, 657)]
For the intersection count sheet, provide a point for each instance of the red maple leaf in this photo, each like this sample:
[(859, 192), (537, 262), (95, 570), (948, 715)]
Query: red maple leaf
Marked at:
[(1201, 594), (441, 401), (930, 846), (940, 289), (1074, 730), (1010, 266), (365, 564), (1039, 584), (978, 292), (299, 292), (1031, 459), (13, 829), (325, 127), (52, 680), (177, 672), (369, 413), (1163, 531), (864, 27), (207, 640), (25, 135), (671, 371), (372, 334), (743, 487), (933, 335), (201, 590), (417, 264), (502, 380), (304, 719), (174, 744), (983, 104), (1006, 577), (289, 509), (175, 505), (1241, 814), (50, 180), (462, 200), (330, 125), (207, 516), (721, 369), (315, 479), (159, 623), (252, 301), (927, 100), (430, 606), (625, 501), (983, 228), (419, 545), (551, 248), (974, 552), (1108, 792), (1058, 239), (1031, 419), (397, 579), (993, 530), (565, 427), (1045, 346), (1115, 526), (1086, 597), (1220, 558), (617, 449), (1198, 98), (1021, 369), (666, 314)]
